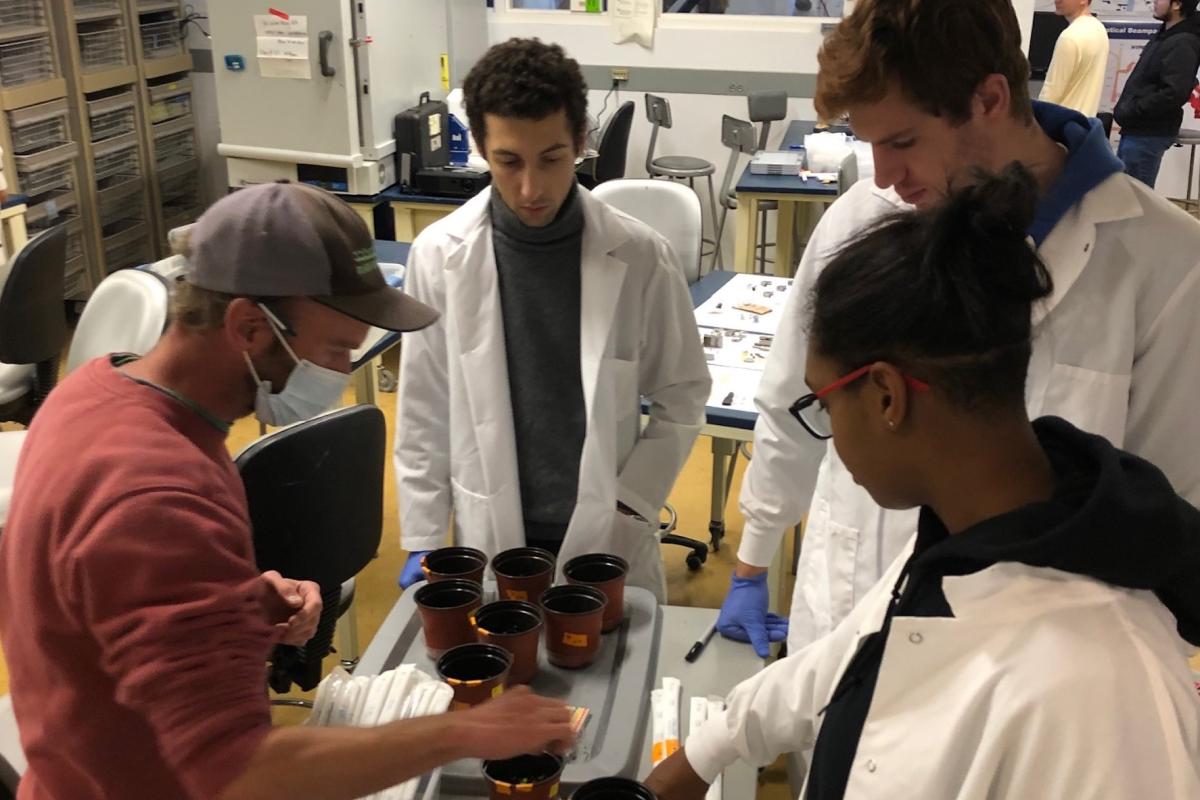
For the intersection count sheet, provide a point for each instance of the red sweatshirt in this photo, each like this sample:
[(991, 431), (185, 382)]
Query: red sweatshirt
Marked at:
[(130, 606)]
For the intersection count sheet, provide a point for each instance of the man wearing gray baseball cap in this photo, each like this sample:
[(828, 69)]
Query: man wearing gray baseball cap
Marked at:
[(126, 562)]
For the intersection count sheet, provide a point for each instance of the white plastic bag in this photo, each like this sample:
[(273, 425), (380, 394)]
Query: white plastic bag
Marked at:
[(826, 151)]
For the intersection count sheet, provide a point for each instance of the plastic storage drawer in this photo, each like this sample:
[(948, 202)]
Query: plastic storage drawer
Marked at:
[(49, 169), (39, 127), (74, 239), (102, 45), (127, 248), (26, 61), (170, 100), (95, 9), (179, 182), (115, 214), (76, 284), (21, 14), (51, 207), (112, 116), (174, 143), (161, 39), (178, 216), (116, 161)]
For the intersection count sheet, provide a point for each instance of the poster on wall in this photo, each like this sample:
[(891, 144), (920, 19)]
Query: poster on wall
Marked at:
[(1111, 9), (1126, 40)]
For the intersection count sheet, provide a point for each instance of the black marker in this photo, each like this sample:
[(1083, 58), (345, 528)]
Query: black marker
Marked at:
[(699, 646)]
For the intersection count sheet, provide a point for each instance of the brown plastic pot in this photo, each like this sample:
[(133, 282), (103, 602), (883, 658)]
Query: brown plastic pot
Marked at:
[(523, 573), (606, 573), (476, 673), (574, 616), (464, 563), (446, 608), (515, 626), (532, 777), (613, 789)]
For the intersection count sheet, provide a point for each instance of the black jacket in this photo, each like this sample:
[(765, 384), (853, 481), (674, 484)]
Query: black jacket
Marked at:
[(1113, 517), (1152, 101)]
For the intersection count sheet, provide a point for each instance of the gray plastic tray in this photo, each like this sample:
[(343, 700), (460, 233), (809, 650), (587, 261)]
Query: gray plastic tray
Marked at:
[(616, 690)]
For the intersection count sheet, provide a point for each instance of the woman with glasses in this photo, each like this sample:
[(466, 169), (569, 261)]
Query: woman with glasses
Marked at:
[(1030, 641)]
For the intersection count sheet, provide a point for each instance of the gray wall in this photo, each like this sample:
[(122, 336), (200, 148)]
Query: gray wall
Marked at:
[(213, 175)]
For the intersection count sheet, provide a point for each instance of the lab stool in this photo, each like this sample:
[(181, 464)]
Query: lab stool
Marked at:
[(766, 107), (1190, 139), (689, 168)]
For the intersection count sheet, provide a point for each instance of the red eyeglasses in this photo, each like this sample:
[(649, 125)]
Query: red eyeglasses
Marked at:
[(815, 417)]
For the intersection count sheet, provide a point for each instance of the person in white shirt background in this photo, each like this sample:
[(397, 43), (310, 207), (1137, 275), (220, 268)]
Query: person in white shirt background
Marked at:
[(940, 88), (1076, 75), (1028, 641)]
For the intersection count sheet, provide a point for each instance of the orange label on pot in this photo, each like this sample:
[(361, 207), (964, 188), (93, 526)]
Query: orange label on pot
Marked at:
[(554, 792), (663, 750), (503, 788), (516, 594), (497, 690), (575, 639)]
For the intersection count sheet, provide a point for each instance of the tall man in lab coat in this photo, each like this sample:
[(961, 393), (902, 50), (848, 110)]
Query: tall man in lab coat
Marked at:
[(940, 88), (519, 411)]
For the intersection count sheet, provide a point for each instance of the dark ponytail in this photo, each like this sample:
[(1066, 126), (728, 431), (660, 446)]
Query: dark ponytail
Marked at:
[(946, 293)]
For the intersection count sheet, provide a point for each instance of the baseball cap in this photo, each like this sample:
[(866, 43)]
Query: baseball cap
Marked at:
[(293, 240)]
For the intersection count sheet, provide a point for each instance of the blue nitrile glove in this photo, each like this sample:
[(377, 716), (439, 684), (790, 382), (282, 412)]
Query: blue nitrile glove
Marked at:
[(412, 572), (744, 616)]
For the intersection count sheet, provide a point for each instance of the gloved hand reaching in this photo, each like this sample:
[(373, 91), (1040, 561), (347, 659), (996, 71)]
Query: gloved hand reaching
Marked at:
[(744, 616), (412, 572)]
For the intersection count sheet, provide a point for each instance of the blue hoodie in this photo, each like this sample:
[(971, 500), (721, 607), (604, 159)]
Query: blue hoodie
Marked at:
[(1090, 161)]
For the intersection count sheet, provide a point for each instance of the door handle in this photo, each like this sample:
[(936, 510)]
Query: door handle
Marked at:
[(324, 40)]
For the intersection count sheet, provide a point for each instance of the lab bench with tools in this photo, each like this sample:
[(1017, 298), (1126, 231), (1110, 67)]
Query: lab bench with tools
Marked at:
[(737, 327), (607, 650)]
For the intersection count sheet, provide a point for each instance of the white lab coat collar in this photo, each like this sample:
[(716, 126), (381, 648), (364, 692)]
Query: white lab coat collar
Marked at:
[(482, 346), (1068, 248)]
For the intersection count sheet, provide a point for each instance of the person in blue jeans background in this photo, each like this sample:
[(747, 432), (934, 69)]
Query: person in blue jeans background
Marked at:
[(1150, 111)]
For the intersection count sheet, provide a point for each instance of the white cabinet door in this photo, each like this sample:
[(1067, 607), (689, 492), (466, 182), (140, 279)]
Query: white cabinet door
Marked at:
[(315, 114)]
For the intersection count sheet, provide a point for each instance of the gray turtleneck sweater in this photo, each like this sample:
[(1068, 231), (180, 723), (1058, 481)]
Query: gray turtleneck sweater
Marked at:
[(540, 287)]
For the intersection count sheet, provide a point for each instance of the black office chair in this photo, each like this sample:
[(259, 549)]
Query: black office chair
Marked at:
[(609, 163), (33, 324), (8, 780), (315, 492)]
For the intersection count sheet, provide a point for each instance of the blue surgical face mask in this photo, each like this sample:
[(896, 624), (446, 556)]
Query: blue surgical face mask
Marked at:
[(309, 391)]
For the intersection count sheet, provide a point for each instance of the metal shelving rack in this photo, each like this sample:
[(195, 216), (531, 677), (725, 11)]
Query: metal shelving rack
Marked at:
[(97, 46), (97, 128), (40, 135), (169, 129)]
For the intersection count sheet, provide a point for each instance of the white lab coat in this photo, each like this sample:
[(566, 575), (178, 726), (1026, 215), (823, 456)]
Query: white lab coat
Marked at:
[(455, 441), (1114, 353), (1042, 684)]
